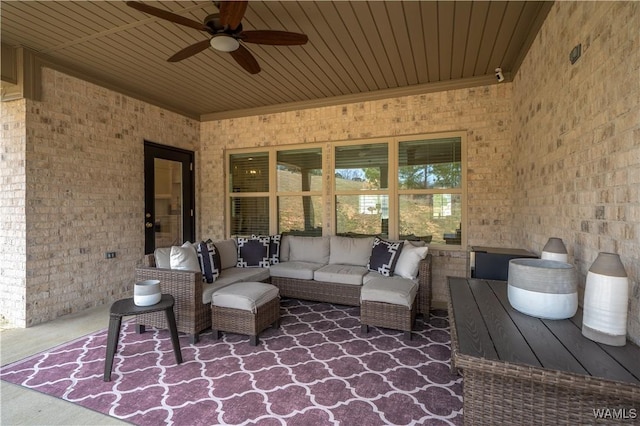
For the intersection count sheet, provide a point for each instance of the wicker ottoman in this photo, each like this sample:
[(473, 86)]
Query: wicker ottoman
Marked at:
[(245, 308), (389, 303)]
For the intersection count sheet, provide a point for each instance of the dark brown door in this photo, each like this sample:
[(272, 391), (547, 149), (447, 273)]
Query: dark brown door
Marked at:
[(169, 188)]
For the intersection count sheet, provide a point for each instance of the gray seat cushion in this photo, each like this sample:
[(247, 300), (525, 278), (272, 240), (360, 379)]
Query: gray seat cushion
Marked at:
[(295, 270), (231, 276), (394, 290), (344, 274)]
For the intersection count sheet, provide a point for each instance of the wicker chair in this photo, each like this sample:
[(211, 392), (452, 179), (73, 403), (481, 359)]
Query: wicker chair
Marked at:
[(192, 316)]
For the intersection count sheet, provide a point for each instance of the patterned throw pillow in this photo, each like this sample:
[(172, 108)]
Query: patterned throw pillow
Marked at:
[(209, 259), (253, 252), (274, 247), (384, 256)]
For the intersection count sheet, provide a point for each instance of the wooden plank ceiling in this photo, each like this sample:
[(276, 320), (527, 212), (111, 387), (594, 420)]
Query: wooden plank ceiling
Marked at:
[(355, 48)]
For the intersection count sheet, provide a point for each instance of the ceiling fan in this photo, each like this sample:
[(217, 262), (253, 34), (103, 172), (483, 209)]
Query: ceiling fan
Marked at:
[(226, 31)]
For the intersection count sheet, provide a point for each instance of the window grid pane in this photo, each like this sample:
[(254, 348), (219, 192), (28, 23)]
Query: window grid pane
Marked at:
[(249, 215), (300, 215), (428, 164), (433, 217), (362, 214), (362, 167), (300, 170), (249, 172)]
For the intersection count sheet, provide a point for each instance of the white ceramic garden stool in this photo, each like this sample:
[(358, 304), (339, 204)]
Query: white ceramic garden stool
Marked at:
[(245, 308)]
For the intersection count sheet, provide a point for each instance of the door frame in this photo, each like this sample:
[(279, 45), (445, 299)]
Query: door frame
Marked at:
[(152, 151)]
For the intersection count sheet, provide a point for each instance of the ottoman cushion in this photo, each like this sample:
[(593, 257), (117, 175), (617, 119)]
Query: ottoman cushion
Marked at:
[(393, 290), (244, 296)]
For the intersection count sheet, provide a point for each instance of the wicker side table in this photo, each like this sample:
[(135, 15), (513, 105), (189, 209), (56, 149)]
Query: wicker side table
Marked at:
[(126, 307)]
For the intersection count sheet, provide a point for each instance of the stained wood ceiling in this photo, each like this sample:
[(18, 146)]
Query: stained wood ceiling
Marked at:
[(356, 49)]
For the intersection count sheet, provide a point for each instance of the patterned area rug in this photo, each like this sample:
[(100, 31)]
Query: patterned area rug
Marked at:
[(316, 369)]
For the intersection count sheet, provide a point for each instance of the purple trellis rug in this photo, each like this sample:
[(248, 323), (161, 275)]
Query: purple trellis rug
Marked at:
[(316, 369)]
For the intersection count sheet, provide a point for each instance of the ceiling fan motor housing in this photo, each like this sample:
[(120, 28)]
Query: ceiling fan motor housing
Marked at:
[(213, 22)]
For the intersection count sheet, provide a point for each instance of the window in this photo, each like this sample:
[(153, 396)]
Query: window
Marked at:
[(430, 189), (249, 193), (299, 194), (361, 189), (403, 187)]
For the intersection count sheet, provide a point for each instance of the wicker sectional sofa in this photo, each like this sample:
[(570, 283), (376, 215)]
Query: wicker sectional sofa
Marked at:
[(326, 269), (316, 273)]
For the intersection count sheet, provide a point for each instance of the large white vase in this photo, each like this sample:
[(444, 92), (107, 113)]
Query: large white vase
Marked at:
[(606, 301), (543, 288)]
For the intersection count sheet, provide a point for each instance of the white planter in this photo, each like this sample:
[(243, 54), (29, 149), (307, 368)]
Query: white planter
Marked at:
[(543, 288), (606, 299), (555, 250), (146, 293)]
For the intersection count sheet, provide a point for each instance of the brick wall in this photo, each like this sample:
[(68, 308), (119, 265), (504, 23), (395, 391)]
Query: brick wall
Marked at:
[(577, 138), (85, 195), (12, 213), (483, 112), (556, 153)]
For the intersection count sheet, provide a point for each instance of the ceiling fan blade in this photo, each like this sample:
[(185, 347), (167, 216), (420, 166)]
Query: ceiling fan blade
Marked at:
[(278, 38), (245, 59), (190, 51), (166, 15), (232, 12)]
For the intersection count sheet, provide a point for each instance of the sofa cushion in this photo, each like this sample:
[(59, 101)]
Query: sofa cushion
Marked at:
[(350, 251), (162, 256), (184, 258), (295, 270), (209, 260), (309, 249), (231, 276), (209, 289), (344, 274), (284, 248), (408, 262), (253, 252), (247, 296), (384, 256), (228, 253), (394, 290)]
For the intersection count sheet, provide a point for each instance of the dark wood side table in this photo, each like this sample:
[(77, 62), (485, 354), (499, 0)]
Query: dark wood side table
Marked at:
[(126, 307), (522, 370)]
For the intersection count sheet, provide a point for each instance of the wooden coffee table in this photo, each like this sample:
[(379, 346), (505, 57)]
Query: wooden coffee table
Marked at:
[(519, 369), (126, 307)]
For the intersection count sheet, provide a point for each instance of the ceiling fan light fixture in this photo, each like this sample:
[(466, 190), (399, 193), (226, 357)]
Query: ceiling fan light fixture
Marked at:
[(224, 43)]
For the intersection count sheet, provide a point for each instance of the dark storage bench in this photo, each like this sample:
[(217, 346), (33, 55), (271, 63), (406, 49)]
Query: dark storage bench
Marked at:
[(519, 369), (492, 263)]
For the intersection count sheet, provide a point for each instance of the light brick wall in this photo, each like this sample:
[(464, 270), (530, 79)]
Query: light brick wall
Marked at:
[(12, 213), (483, 112), (85, 194), (577, 138)]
